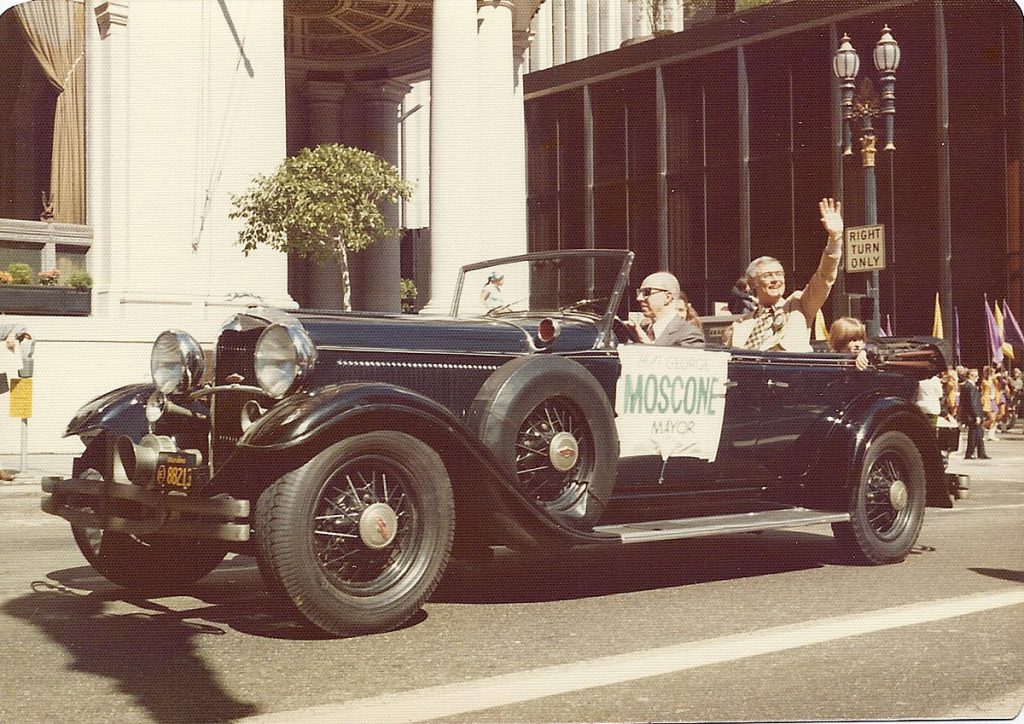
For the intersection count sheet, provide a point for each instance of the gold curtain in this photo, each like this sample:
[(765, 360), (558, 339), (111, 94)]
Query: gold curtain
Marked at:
[(56, 33)]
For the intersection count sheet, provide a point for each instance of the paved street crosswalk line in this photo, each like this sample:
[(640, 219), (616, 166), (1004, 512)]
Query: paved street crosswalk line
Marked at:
[(480, 694)]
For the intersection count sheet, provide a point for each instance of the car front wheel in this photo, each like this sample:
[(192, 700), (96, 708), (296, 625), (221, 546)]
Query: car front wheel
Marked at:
[(358, 537), (887, 504)]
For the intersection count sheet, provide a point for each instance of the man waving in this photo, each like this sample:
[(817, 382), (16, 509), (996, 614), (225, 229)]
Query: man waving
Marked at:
[(781, 322)]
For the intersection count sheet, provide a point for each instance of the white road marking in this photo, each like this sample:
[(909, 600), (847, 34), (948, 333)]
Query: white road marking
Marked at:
[(480, 694)]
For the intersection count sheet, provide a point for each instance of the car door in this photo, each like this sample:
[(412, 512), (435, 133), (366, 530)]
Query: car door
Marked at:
[(738, 468), (801, 393)]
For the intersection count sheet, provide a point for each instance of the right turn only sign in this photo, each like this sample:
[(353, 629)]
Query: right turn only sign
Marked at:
[(865, 248)]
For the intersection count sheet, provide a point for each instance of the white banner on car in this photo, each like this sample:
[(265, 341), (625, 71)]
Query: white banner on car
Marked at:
[(670, 401)]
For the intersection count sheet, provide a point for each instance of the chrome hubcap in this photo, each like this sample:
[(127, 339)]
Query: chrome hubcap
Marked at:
[(378, 526), (898, 495), (563, 451)]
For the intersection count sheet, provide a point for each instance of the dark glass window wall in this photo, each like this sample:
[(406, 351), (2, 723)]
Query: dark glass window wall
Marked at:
[(719, 154)]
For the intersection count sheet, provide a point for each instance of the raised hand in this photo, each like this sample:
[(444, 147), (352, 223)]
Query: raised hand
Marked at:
[(831, 217)]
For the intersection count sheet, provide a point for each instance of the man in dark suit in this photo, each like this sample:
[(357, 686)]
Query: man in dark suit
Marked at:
[(669, 318), (971, 414)]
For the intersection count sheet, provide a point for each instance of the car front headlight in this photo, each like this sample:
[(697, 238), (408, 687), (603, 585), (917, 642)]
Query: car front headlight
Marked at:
[(284, 355), (177, 362)]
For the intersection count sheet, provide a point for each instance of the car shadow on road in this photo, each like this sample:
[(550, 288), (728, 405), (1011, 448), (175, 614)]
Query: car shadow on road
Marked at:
[(147, 645), (510, 577)]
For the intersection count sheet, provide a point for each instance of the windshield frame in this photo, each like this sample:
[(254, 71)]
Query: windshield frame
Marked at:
[(621, 282)]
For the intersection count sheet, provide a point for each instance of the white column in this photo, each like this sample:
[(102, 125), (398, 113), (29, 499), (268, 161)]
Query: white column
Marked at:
[(540, 45), (594, 18), (558, 51), (107, 150), (575, 29), (380, 265), (626, 20), (325, 103), (455, 194), (641, 22), (673, 14), (502, 130), (611, 25)]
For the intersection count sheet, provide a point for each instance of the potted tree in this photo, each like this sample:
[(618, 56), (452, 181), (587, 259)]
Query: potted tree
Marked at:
[(321, 204)]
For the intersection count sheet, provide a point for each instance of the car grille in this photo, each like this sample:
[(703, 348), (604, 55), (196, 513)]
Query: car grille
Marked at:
[(234, 358)]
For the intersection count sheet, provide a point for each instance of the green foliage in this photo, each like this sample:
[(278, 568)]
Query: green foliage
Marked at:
[(20, 273), (409, 294), (80, 279), (320, 203)]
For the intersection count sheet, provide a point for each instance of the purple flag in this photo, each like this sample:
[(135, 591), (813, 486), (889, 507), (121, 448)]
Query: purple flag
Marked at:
[(995, 342), (956, 334), (1013, 334)]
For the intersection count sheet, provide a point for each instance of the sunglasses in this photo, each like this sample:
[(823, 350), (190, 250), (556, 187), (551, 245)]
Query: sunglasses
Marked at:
[(644, 292)]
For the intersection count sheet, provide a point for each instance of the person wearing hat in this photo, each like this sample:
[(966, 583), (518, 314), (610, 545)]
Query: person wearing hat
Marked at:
[(669, 320), (490, 295)]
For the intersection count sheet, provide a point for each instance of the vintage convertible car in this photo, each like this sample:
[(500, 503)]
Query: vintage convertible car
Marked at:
[(354, 454)]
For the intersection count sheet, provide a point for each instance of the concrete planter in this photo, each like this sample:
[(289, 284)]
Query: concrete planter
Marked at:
[(51, 301)]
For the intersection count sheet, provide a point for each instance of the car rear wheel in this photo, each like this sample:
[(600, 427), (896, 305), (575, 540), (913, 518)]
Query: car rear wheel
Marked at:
[(549, 421), (358, 537), (887, 505)]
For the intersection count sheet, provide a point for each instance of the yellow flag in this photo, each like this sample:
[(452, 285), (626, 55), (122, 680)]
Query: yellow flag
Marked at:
[(937, 323), (998, 314), (820, 330)]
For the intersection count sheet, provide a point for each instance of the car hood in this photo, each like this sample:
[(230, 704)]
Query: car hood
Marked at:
[(421, 333)]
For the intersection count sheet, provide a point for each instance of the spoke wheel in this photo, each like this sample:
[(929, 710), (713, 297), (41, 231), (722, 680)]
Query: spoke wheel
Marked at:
[(887, 505), (366, 526), (358, 538), (554, 454), (549, 422)]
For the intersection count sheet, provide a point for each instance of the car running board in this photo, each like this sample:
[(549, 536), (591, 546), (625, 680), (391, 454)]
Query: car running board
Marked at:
[(719, 524)]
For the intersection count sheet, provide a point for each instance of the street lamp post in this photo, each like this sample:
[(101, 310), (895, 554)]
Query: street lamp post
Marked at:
[(860, 103)]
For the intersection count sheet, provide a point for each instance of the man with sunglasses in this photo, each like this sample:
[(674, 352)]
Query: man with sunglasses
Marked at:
[(666, 313), (781, 322)]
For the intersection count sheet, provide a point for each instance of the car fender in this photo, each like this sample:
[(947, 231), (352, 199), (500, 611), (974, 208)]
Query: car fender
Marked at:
[(119, 412), (850, 438), (489, 508)]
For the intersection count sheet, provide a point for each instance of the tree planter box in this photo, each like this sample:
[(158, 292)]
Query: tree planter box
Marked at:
[(35, 299)]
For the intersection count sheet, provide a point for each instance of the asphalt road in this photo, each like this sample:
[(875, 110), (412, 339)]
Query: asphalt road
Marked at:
[(752, 627)]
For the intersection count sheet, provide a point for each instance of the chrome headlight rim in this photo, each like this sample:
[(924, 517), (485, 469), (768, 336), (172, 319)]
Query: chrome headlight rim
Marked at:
[(284, 356), (176, 362)]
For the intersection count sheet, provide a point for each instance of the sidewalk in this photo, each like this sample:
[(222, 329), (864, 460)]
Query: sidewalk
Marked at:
[(39, 466)]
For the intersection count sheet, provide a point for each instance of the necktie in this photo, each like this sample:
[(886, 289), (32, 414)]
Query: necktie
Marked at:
[(764, 328)]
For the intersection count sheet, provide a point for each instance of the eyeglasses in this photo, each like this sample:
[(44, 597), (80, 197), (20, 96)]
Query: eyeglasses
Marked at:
[(644, 292)]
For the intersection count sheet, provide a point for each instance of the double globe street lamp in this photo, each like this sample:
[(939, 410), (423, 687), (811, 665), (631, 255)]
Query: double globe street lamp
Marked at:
[(862, 104)]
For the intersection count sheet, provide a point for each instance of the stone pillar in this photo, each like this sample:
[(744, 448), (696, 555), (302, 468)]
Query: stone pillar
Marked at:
[(379, 266), (594, 18), (107, 156), (626, 20), (558, 52), (455, 181), (325, 102), (610, 25), (502, 129), (575, 29), (540, 46)]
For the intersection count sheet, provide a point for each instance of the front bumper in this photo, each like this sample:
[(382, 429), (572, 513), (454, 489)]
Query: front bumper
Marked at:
[(134, 510)]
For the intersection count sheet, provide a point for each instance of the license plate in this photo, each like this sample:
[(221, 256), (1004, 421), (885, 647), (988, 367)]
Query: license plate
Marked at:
[(176, 470)]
